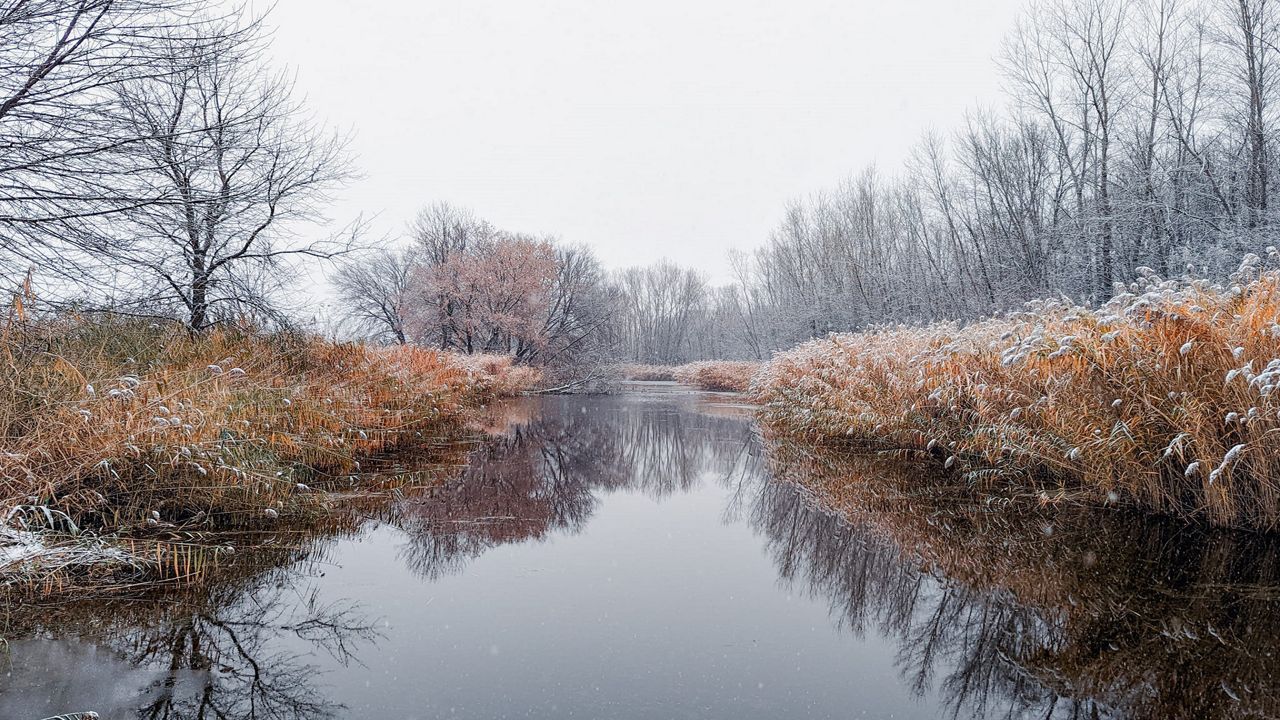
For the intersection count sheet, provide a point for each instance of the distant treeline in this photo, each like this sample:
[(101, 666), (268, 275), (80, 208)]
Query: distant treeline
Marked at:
[(1138, 134)]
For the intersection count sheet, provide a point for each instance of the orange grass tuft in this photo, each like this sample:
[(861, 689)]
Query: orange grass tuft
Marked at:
[(1163, 399), (649, 373), (125, 424), (497, 375), (718, 375)]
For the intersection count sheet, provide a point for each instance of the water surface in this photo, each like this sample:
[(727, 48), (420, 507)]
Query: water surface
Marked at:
[(634, 557)]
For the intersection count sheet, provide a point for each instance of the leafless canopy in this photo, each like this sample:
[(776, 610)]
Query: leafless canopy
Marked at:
[(150, 158)]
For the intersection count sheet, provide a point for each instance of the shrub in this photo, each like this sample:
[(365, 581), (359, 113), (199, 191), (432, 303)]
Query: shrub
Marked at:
[(649, 373), (1164, 398), (718, 375), (497, 374)]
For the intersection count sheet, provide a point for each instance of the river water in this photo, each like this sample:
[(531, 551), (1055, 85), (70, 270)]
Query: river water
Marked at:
[(633, 557)]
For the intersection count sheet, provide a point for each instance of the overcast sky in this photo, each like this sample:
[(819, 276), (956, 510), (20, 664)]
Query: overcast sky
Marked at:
[(644, 128)]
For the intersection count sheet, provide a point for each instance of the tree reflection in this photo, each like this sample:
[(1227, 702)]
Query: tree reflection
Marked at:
[(547, 471), (1015, 613), (218, 652), (1023, 612)]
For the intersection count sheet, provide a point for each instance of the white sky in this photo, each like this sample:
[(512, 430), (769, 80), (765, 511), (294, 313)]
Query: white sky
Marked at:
[(644, 128)]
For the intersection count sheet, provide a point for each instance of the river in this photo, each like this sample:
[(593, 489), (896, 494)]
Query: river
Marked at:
[(634, 556)]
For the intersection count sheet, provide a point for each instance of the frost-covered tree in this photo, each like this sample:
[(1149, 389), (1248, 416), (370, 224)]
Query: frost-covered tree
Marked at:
[(464, 285), (492, 297), (1138, 134)]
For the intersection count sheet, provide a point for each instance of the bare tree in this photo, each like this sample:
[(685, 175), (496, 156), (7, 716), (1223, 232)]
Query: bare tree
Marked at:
[(374, 290), (491, 298), (1250, 36), (441, 229), (577, 329), (466, 286), (658, 306), (439, 232), (238, 168), (61, 135)]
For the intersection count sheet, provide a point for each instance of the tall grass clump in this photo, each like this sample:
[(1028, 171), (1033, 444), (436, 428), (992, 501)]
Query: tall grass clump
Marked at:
[(128, 428), (496, 375), (717, 375), (1163, 399), (648, 373), (711, 375)]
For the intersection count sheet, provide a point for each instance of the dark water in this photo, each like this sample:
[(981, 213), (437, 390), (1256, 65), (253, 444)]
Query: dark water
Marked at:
[(630, 557)]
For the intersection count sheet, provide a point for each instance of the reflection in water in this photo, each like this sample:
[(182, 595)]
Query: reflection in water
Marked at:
[(937, 624), (549, 473), (994, 610), (1016, 612), (1022, 612), (210, 653)]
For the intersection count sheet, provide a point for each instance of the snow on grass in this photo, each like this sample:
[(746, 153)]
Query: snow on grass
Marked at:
[(1124, 401)]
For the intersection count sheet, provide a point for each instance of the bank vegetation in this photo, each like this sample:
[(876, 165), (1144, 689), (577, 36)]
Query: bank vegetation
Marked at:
[(128, 445), (1162, 399)]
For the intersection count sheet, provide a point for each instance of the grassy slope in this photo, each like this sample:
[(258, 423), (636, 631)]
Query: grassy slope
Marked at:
[(137, 430), (1163, 399)]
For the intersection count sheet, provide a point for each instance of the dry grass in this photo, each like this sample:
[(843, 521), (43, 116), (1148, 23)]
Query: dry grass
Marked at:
[(718, 375), (711, 375), (1163, 399), (140, 430), (649, 373), (497, 375)]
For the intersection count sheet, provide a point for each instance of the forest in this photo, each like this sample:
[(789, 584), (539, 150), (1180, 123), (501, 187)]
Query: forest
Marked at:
[(1136, 135)]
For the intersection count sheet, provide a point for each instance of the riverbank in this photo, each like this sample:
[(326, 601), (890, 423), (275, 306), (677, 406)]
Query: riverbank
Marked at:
[(709, 375), (131, 446), (1161, 400)]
